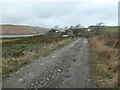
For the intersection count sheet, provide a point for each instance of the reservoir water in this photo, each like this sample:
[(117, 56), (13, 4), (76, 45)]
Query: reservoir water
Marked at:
[(14, 36)]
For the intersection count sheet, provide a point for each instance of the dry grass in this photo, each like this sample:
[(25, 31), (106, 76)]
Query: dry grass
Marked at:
[(104, 61)]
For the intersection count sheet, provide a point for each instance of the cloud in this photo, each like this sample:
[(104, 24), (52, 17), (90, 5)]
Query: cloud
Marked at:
[(49, 14)]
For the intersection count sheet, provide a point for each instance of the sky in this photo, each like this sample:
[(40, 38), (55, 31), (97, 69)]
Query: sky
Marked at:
[(50, 13)]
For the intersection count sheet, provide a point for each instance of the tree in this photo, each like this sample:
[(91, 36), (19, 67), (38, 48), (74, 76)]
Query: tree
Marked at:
[(78, 30), (98, 28), (56, 28), (71, 28)]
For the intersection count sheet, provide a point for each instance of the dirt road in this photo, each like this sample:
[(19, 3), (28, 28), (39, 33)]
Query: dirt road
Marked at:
[(67, 67)]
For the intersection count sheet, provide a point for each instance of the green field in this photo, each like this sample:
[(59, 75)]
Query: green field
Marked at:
[(111, 29)]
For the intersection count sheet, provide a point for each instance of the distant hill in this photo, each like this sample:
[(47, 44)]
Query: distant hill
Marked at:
[(21, 30)]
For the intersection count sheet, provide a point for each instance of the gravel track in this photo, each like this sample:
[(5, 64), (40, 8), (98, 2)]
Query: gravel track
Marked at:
[(67, 67)]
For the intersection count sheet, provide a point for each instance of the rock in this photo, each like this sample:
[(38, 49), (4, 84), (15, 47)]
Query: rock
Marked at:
[(53, 76), (58, 70), (31, 87), (36, 83), (42, 63), (89, 80), (59, 62), (21, 80), (47, 79)]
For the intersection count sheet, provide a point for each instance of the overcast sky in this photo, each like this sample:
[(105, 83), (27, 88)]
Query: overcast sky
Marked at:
[(50, 14)]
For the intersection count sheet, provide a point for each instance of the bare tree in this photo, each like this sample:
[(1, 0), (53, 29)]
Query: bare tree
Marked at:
[(71, 28), (78, 30), (56, 28), (98, 28)]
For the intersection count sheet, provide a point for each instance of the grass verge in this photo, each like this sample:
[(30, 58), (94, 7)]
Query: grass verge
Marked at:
[(104, 61)]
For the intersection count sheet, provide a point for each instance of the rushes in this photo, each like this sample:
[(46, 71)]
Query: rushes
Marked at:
[(16, 54)]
